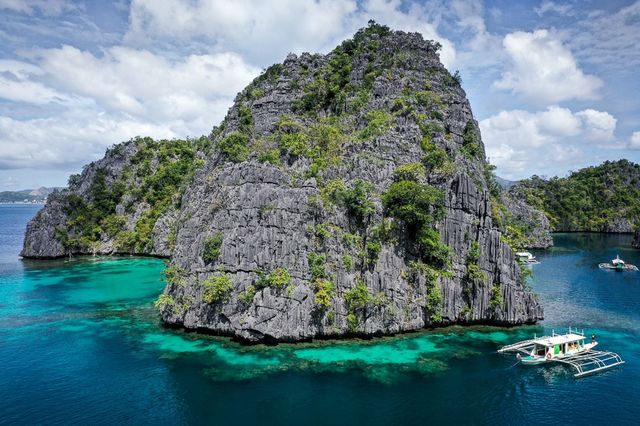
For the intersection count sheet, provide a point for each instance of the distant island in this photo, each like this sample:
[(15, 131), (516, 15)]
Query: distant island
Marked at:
[(27, 196), (603, 198)]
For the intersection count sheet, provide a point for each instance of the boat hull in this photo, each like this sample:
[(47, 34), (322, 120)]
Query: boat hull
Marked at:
[(616, 268), (531, 360)]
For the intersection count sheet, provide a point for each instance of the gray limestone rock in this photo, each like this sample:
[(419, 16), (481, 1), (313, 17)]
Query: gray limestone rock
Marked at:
[(277, 216), (536, 224)]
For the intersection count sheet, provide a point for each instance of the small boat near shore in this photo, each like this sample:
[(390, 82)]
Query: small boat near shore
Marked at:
[(618, 264), (571, 349), (526, 257)]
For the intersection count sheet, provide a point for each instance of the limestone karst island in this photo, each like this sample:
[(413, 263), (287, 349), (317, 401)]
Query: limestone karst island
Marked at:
[(334, 238), (345, 193)]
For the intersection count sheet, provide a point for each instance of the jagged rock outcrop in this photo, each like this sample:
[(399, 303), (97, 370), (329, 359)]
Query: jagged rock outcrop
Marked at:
[(343, 194), (534, 224), (124, 203), (636, 238), (40, 239)]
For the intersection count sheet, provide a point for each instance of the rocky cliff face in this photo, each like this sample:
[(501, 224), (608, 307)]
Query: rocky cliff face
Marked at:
[(124, 203), (534, 224), (343, 194), (636, 238)]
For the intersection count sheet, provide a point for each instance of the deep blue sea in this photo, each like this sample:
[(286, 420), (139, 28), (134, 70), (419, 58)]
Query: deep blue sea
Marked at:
[(80, 343)]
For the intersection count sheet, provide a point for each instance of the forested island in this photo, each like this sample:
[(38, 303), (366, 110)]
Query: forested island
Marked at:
[(603, 198), (343, 194)]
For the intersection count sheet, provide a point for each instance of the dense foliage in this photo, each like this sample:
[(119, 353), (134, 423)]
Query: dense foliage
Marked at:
[(474, 272), (234, 147), (217, 289), (496, 301), (589, 199), (471, 147), (212, 246), (157, 174), (419, 206), (278, 278)]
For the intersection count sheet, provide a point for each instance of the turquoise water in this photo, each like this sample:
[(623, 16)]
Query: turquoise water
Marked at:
[(81, 343)]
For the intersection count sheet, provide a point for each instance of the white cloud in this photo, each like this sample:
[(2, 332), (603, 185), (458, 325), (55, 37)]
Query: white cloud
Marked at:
[(479, 48), (142, 84), (266, 31), (111, 98), (599, 125), (16, 84), (634, 140), (609, 40), (71, 139), (520, 142), (544, 70), (550, 6), (256, 27), (46, 7)]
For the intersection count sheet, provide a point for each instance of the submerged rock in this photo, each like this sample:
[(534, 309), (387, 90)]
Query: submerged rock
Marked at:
[(343, 194)]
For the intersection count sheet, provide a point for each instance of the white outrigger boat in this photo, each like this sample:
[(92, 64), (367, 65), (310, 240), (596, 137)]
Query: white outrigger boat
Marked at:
[(618, 265), (526, 257), (570, 349)]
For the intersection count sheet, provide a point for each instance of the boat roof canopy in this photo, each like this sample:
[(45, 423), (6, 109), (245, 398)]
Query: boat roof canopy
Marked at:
[(523, 253), (559, 339)]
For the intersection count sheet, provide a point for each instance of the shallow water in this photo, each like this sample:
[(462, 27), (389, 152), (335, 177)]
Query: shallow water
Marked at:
[(80, 343)]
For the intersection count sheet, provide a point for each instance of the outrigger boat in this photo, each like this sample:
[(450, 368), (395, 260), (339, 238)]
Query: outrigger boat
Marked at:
[(618, 265), (570, 349), (526, 257)]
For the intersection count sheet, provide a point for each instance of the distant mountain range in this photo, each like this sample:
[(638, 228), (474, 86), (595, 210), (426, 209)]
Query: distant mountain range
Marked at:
[(505, 184), (38, 195)]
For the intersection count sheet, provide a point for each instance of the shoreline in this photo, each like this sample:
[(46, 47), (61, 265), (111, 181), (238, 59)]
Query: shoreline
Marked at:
[(23, 203)]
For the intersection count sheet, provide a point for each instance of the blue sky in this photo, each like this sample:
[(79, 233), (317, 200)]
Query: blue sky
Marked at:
[(554, 85)]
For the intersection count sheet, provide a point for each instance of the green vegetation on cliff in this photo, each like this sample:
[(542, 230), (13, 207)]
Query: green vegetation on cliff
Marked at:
[(217, 289), (341, 193), (600, 198), (155, 175)]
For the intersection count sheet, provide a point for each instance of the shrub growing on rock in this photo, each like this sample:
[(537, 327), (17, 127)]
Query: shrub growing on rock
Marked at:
[(419, 206), (470, 146), (234, 147), (324, 291), (357, 201), (278, 278), (217, 289), (357, 297), (495, 302), (163, 302), (410, 171), (212, 246)]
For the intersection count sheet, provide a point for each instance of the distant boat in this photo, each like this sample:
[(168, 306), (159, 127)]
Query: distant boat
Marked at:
[(618, 264), (526, 257)]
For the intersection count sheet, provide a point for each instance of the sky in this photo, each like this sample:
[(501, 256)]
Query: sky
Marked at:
[(555, 86)]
